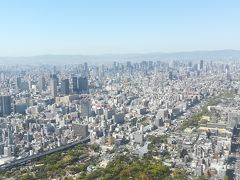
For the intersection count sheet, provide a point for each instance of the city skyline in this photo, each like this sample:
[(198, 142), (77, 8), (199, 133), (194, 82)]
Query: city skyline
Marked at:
[(140, 89), (108, 27)]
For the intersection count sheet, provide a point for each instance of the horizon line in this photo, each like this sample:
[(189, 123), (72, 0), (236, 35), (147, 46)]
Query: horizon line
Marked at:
[(112, 54)]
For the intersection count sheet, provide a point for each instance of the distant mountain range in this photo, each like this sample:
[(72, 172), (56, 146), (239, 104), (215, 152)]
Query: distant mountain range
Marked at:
[(107, 58)]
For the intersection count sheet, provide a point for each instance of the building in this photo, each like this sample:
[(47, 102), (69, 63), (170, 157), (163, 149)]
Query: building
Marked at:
[(85, 107), (74, 84), (108, 113), (53, 86), (162, 114), (85, 69), (170, 75), (138, 138), (199, 170), (20, 108), (1, 148), (83, 85), (18, 83), (233, 119), (201, 65), (65, 87), (80, 130), (41, 84), (119, 118), (66, 99), (1, 135), (237, 169), (5, 105), (10, 135), (159, 122)]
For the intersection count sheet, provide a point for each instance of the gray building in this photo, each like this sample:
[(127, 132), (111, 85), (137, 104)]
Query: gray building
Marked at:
[(80, 130), (5, 105), (74, 85), (138, 138), (119, 118), (53, 86), (65, 87), (41, 84), (85, 107), (20, 108), (83, 85), (158, 122)]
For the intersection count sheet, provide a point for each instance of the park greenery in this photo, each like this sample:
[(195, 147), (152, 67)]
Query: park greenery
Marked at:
[(61, 164), (155, 144), (54, 165), (195, 119), (125, 167)]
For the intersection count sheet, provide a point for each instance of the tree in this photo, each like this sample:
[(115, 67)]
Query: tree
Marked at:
[(225, 178), (95, 147), (26, 176), (179, 174), (68, 178), (201, 178)]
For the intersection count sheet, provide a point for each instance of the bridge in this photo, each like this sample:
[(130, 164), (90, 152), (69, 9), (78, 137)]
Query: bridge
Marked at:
[(36, 156)]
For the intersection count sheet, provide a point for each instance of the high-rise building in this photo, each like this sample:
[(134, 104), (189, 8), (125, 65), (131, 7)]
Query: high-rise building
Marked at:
[(170, 75), (85, 107), (74, 84), (5, 105), (54, 70), (41, 84), (201, 65), (1, 135), (158, 122), (10, 135), (65, 87), (85, 69), (53, 86), (18, 83), (30, 83), (83, 85)]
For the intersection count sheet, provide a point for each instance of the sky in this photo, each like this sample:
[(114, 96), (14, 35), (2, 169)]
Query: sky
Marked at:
[(90, 27)]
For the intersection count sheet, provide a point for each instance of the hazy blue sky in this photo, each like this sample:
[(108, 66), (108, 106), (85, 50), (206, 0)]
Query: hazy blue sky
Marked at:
[(34, 27)]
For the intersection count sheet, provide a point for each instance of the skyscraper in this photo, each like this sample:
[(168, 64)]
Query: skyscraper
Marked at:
[(41, 84), (5, 105), (10, 135), (85, 69), (65, 87), (83, 85), (1, 136), (18, 83), (201, 65), (74, 84), (53, 85), (170, 75), (85, 107)]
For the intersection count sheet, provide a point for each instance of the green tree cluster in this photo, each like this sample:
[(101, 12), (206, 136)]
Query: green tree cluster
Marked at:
[(125, 167)]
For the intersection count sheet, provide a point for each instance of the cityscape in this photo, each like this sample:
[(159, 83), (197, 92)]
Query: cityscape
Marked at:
[(186, 114), (119, 90)]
